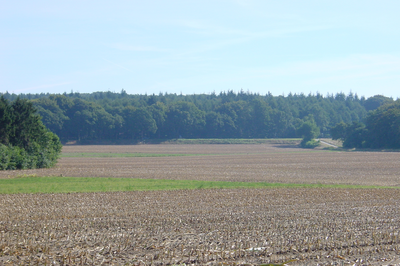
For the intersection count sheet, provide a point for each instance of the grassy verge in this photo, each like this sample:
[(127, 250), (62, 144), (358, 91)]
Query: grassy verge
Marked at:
[(288, 141), (233, 141), (122, 155), (105, 154), (90, 184)]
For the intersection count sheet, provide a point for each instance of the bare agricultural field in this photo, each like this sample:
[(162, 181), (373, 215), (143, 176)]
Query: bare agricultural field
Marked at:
[(259, 163), (311, 226), (214, 227)]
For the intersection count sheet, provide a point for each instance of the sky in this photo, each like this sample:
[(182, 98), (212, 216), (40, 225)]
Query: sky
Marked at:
[(201, 46)]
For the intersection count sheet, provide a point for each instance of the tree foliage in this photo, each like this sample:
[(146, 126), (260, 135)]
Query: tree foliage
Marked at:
[(112, 116), (309, 131), (381, 129), (25, 142), (376, 101)]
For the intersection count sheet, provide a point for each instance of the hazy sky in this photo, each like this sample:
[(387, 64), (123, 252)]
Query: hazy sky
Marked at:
[(201, 46)]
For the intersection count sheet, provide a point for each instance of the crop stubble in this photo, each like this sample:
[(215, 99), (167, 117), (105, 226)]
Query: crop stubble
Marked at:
[(255, 226), (325, 226)]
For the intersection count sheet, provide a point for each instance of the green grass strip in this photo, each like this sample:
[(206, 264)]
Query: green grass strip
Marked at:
[(94, 184)]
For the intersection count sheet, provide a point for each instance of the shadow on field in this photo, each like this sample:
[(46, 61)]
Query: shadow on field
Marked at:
[(287, 146)]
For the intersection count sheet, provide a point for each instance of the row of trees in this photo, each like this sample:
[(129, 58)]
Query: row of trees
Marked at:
[(381, 129), (24, 141), (108, 115)]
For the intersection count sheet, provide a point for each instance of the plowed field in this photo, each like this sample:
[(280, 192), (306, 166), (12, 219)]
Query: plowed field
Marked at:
[(266, 163)]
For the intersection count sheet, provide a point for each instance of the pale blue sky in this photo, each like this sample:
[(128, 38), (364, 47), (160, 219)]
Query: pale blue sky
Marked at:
[(194, 46)]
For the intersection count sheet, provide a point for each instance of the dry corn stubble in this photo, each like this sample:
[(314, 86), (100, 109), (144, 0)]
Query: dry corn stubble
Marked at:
[(324, 226), (202, 226)]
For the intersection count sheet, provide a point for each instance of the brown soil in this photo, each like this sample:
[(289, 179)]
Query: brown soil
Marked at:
[(261, 163)]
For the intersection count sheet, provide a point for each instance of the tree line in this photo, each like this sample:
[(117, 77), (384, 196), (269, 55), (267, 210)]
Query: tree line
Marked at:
[(380, 129), (24, 141), (113, 116)]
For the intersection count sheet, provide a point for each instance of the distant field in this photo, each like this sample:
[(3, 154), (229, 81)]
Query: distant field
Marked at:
[(270, 163)]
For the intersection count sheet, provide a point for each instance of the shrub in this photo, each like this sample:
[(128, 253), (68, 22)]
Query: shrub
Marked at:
[(311, 144)]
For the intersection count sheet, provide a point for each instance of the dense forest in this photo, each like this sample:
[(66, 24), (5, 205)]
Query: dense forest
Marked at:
[(24, 141), (112, 116), (380, 129)]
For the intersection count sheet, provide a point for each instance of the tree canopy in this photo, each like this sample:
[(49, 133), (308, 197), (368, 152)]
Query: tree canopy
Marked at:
[(113, 116), (24, 141), (381, 129)]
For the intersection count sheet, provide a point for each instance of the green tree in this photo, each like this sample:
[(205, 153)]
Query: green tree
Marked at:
[(238, 115), (53, 117), (376, 101), (6, 121), (107, 124), (356, 134), (158, 112), (28, 144), (339, 132), (138, 122), (383, 127), (88, 120), (260, 119), (184, 119), (309, 131), (27, 125), (143, 122), (280, 122), (100, 115)]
